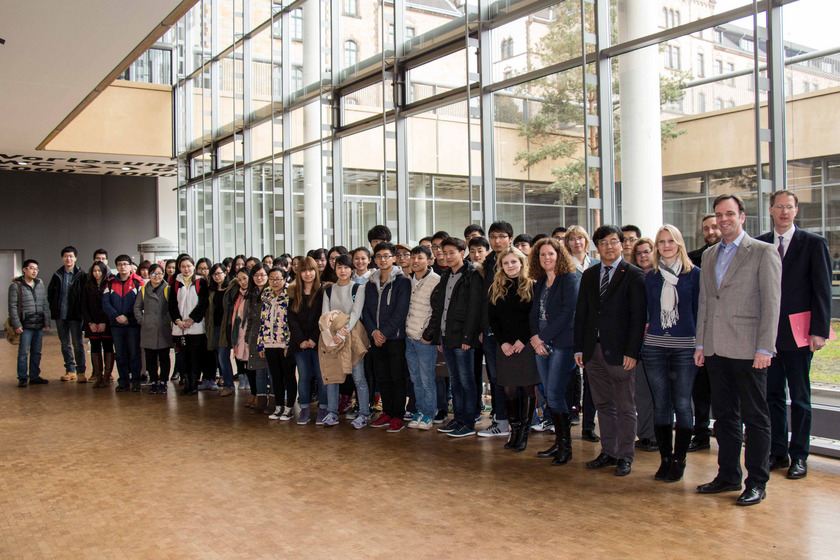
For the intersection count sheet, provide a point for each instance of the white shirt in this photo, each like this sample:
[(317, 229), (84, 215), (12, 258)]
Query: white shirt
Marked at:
[(787, 236)]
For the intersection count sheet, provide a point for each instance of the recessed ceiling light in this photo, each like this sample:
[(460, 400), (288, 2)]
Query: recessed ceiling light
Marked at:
[(126, 169), (22, 163)]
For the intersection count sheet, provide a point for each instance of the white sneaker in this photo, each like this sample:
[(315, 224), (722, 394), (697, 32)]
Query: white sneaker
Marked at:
[(495, 430), (425, 423), (540, 426), (278, 412), (415, 420), (288, 413)]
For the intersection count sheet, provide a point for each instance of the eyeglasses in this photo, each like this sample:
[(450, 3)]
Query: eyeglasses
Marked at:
[(403, 255), (261, 275), (610, 243), (157, 274), (643, 253), (123, 264), (275, 279), (498, 237), (787, 207), (580, 239), (383, 257), (630, 239), (32, 268)]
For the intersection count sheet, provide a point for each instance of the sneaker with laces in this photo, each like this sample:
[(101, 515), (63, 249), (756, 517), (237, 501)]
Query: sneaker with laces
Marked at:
[(451, 427), (540, 426), (330, 420), (204, 386), (278, 412), (407, 416), (360, 422), (162, 389), (495, 430), (396, 425), (153, 389), (304, 416), (381, 422), (288, 413), (425, 423), (440, 417), (353, 412), (462, 431), (415, 420), (319, 419)]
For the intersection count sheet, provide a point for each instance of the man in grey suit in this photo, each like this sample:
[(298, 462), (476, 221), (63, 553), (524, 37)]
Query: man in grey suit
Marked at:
[(737, 321)]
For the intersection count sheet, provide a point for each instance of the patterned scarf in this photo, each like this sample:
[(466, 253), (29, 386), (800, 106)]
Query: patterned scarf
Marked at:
[(668, 298)]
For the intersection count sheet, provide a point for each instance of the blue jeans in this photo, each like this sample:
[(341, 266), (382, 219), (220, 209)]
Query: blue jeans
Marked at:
[(462, 380), (307, 365), (554, 371), (127, 355), (74, 356), (362, 393), (30, 347), (670, 373), (223, 356), (421, 367), (262, 381), (489, 346)]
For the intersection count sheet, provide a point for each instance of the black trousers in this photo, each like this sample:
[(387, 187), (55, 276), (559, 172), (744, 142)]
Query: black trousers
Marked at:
[(192, 347), (390, 365), (155, 358), (701, 396), (283, 381), (791, 368), (739, 396)]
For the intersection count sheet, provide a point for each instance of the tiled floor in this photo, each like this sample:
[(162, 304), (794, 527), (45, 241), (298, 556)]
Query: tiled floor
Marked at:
[(93, 474)]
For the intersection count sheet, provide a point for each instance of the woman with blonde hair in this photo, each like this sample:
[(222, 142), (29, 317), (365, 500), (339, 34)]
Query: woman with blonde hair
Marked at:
[(673, 291), (577, 242), (551, 319), (510, 298)]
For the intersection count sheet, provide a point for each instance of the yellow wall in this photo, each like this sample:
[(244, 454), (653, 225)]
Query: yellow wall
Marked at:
[(127, 118)]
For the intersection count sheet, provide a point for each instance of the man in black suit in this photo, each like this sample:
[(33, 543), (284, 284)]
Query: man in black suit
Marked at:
[(702, 393), (806, 286), (609, 329)]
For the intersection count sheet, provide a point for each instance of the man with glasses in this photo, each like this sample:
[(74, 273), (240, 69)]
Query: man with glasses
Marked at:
[(118, 303), (29, 316), (439, 266), (387, 296), (609, 329), (403, 258), (559, 235), (65, 296), (806, 287), (629, 235)]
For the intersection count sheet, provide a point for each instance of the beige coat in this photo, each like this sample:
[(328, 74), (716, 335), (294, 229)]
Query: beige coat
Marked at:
[(337, 360)]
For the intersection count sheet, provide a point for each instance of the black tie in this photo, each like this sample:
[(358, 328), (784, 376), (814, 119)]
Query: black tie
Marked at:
[(782, 247), (605, 280)]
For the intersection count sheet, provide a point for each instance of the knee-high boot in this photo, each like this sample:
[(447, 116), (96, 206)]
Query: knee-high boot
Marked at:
[(108, 369), (527, 404), (96, 365), (562, 429), (515, 419), (664, 436), (558, 436), (682, 439)]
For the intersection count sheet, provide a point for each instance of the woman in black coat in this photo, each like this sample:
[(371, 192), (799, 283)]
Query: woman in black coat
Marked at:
[(97, 325)]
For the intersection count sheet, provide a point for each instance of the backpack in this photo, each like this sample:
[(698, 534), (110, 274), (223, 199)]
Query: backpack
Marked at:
[(328, 291)]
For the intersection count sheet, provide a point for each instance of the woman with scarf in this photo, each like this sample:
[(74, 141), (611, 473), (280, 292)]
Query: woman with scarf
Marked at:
[(673, 291)]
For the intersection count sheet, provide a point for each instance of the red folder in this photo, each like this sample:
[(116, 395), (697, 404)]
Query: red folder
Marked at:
[(800, 324)]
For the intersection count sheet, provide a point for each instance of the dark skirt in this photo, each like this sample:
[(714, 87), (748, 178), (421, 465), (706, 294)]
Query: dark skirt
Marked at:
[(517, 370)]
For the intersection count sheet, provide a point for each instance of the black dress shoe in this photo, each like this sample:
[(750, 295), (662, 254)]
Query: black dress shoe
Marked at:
[(717, 486), (601, 461), (121, 389), (698, 444), (779, 462), (38, 381), (21, 382), (646, 444), (798, 469), (751, 496), (622, 468), (589, 435)]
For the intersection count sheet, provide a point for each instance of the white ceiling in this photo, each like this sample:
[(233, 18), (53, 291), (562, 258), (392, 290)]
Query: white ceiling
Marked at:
[(55, 54)]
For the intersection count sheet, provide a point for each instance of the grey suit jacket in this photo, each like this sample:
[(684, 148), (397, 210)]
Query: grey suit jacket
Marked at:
[(742, 316)]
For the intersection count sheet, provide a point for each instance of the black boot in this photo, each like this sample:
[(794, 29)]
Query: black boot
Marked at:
[(562, 427), (527, 405), (664, 436), (512, 407), (682, 439), (558, 433)]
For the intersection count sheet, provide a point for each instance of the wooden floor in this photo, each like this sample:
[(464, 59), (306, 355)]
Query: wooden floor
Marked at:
[(93, 474)]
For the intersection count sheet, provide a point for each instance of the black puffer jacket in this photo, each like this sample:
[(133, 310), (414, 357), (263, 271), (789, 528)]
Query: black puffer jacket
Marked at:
[(74, 294), (34, 311), (463, 317), (92, 310)]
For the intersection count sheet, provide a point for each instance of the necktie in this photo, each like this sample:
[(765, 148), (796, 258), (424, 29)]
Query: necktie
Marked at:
[(782, 247), (605, 280)]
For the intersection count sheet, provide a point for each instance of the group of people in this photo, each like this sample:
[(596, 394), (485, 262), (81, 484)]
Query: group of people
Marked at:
[(646, 335)]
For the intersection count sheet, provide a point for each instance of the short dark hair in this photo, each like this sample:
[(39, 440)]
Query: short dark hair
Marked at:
[(429, 239), (384, 246), (100, 252), (27, 262), (478, 242), (379, 232), (501, 226), (472, 228), (422, 249), (706, 217), (784, 192), (70, 249), (538, 237), (344, 260), (440, 235), (738, 200), (454, 242), (123, 258), (605, 231), (362, 249), (630, 227), (558, 229), (522, 238)]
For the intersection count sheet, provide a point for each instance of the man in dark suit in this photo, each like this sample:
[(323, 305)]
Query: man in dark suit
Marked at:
[(740, 290), (609, 329), (806, 286), (702, 393)]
